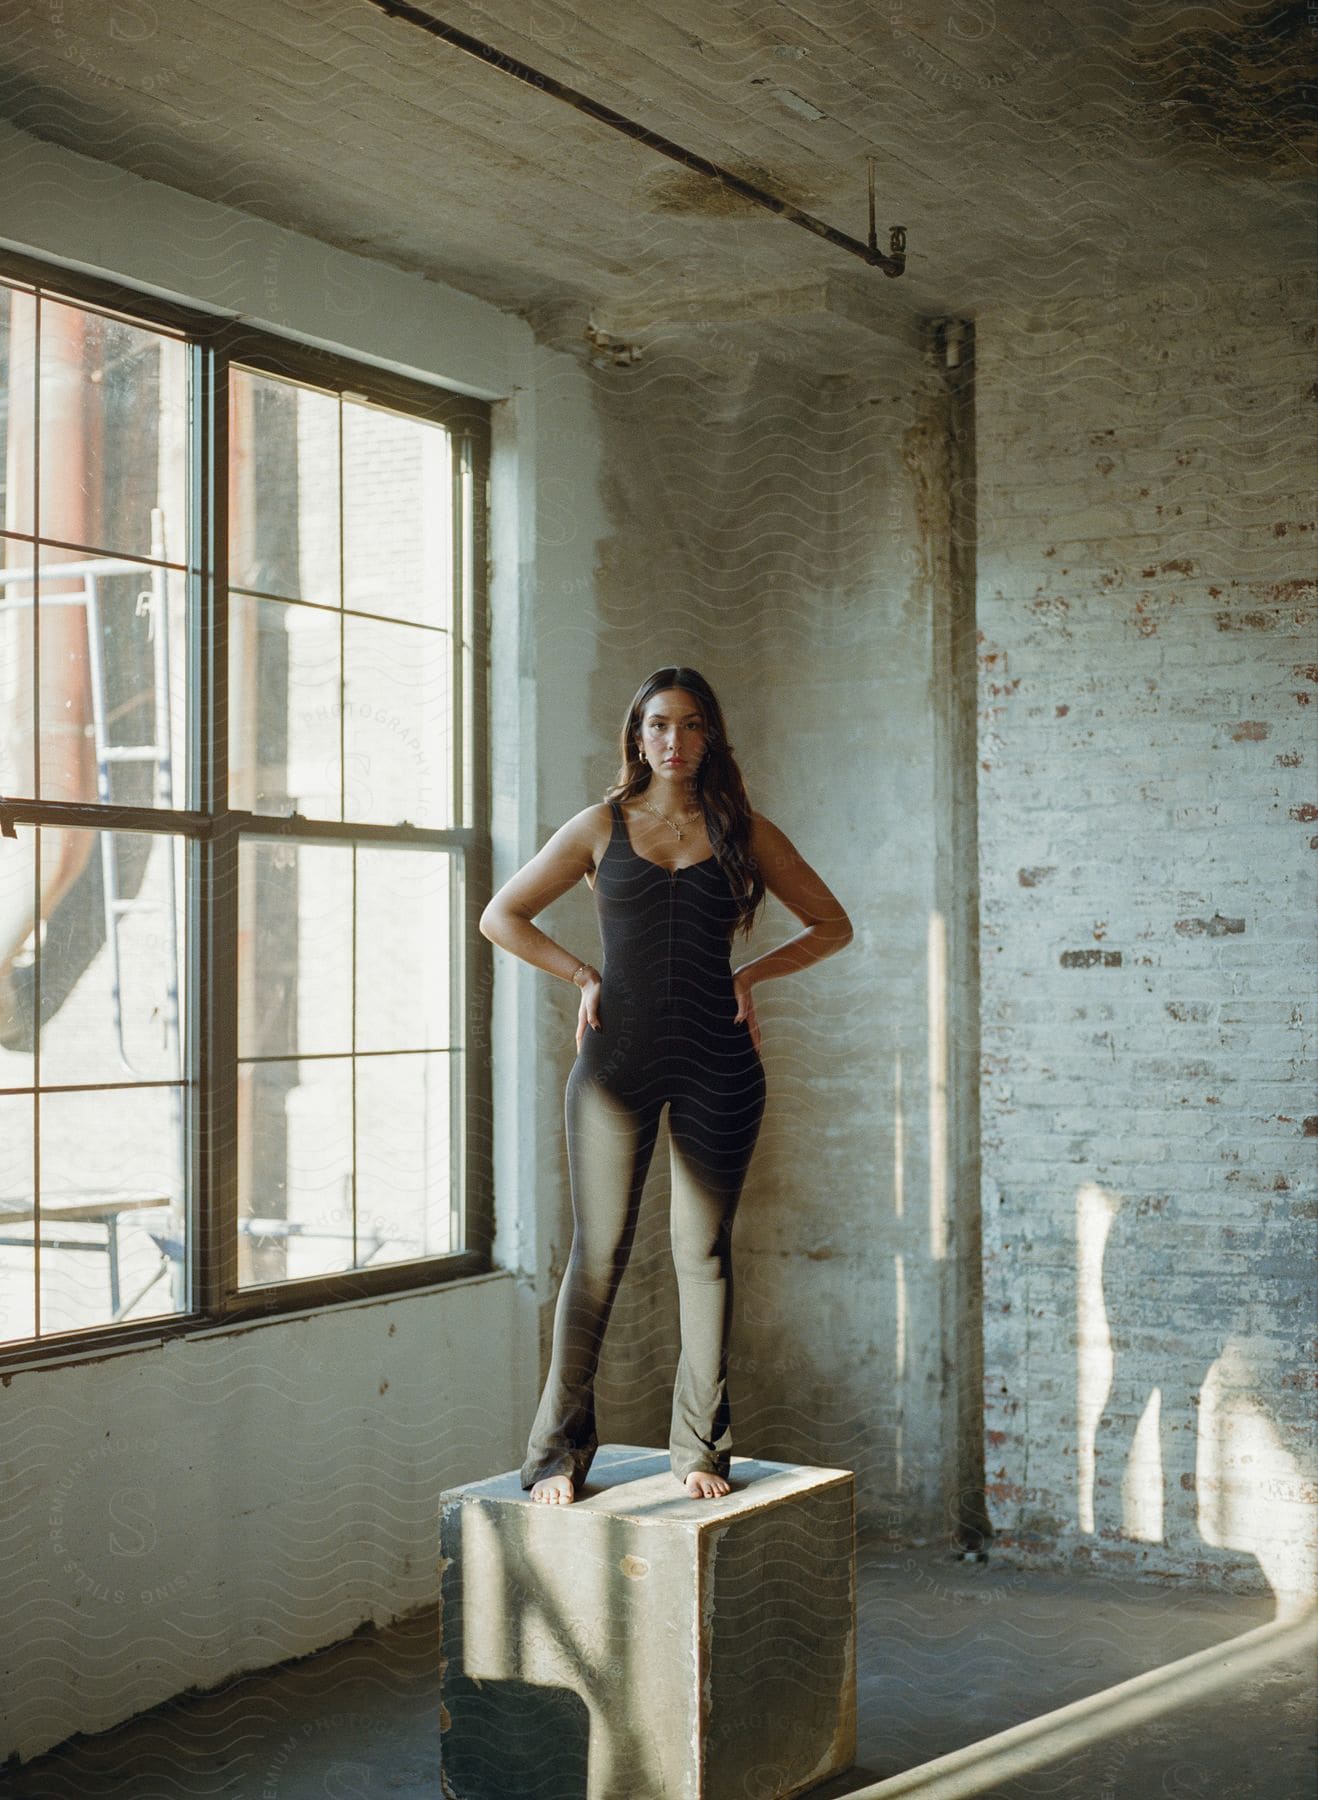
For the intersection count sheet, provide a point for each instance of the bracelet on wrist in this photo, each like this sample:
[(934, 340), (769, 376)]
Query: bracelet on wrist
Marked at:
[(577, 971)]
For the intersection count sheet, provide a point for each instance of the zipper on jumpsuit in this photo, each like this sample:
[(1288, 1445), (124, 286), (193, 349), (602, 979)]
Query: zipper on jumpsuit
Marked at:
[(668, 975)]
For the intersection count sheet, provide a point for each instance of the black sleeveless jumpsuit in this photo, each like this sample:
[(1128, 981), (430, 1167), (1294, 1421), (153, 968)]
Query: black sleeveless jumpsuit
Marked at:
[(668, 1036)]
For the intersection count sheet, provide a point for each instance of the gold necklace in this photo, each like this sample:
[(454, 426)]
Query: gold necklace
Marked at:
[(664, 816)]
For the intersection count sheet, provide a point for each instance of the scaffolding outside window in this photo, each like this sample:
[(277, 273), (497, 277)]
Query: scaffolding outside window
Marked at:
[(242, 643)]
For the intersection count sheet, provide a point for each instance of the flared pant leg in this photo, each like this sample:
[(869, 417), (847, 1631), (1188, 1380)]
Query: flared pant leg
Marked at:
[(713, 1135), (610, 1142)]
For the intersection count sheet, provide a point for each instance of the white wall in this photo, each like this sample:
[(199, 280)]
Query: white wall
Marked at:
[(225, 1501), (176, 1513)]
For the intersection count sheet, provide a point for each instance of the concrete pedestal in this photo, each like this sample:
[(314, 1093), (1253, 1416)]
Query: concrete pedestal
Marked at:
[(642, 1645)]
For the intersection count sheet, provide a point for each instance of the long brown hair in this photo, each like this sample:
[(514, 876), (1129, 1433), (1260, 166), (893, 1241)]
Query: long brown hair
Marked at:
[(720, 789)]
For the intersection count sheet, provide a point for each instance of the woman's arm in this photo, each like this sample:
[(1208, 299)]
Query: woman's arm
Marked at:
[(562, 862), (789, 877)]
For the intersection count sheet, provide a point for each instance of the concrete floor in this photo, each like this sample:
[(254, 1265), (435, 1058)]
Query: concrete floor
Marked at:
[(949, 1656)]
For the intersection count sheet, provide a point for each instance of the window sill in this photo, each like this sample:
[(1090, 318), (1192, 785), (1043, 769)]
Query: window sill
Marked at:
[(156, 1334)]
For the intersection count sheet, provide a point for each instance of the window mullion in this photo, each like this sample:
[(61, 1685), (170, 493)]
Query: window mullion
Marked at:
[(214, 863), (458, 873)]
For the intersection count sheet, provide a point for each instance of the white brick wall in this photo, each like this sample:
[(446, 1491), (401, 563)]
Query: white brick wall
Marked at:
[(1147, 818)]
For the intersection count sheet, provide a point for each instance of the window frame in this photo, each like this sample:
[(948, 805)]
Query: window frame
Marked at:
[(213, 831)]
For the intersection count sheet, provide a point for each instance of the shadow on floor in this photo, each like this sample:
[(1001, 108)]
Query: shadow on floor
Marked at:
[(949, 1654)]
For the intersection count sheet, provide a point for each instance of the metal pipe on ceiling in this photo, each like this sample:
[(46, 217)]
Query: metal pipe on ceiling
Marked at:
[(892, 264)]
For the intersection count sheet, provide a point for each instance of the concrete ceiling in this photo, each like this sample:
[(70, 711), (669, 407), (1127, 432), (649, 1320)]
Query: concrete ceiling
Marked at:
[(1031, 151)]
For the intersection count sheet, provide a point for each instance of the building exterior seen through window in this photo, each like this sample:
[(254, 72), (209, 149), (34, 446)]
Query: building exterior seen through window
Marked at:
[(241, 696)]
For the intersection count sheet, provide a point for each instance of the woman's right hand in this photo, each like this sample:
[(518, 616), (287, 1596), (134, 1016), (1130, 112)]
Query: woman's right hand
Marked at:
[(588, 1014)]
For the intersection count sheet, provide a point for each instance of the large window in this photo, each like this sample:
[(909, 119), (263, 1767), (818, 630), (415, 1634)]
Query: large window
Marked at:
[(242, 703)]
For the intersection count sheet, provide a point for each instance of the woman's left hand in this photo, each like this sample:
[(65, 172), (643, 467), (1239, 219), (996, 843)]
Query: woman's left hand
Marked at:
[(741, 987)]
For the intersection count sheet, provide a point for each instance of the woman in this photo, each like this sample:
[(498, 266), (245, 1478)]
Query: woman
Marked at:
[(678, 863)]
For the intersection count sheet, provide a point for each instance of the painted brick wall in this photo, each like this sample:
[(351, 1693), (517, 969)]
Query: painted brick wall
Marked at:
[(1148, 809)]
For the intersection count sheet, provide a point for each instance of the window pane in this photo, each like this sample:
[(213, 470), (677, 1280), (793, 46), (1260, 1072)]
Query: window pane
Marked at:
[(403, 1161), (367, 737), (283, 488), (295, 1170), (398, 751), (397, 516), (327, 1092), (18, 907), (18, 773), (113, 679), (112, 957), (18, 367), (113, 650), (113, 434), (17, 1258), (113, 1223), (112, 475), (284, 709), (403, 950), (295, 949)]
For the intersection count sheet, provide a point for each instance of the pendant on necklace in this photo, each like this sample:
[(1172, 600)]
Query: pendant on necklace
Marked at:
[(664, 816)]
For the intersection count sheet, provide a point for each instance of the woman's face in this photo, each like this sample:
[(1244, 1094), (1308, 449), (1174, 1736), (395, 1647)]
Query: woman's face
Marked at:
[(672, 734)]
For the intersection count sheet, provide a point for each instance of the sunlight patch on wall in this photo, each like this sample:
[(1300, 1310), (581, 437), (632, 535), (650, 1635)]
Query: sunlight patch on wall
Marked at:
[(1253, 1494), (1141, 1483), (1094, 1212), (937, 964)]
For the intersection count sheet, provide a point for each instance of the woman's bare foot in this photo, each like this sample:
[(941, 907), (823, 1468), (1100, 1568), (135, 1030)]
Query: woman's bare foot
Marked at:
[(701, 1484), (554, 1490)]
